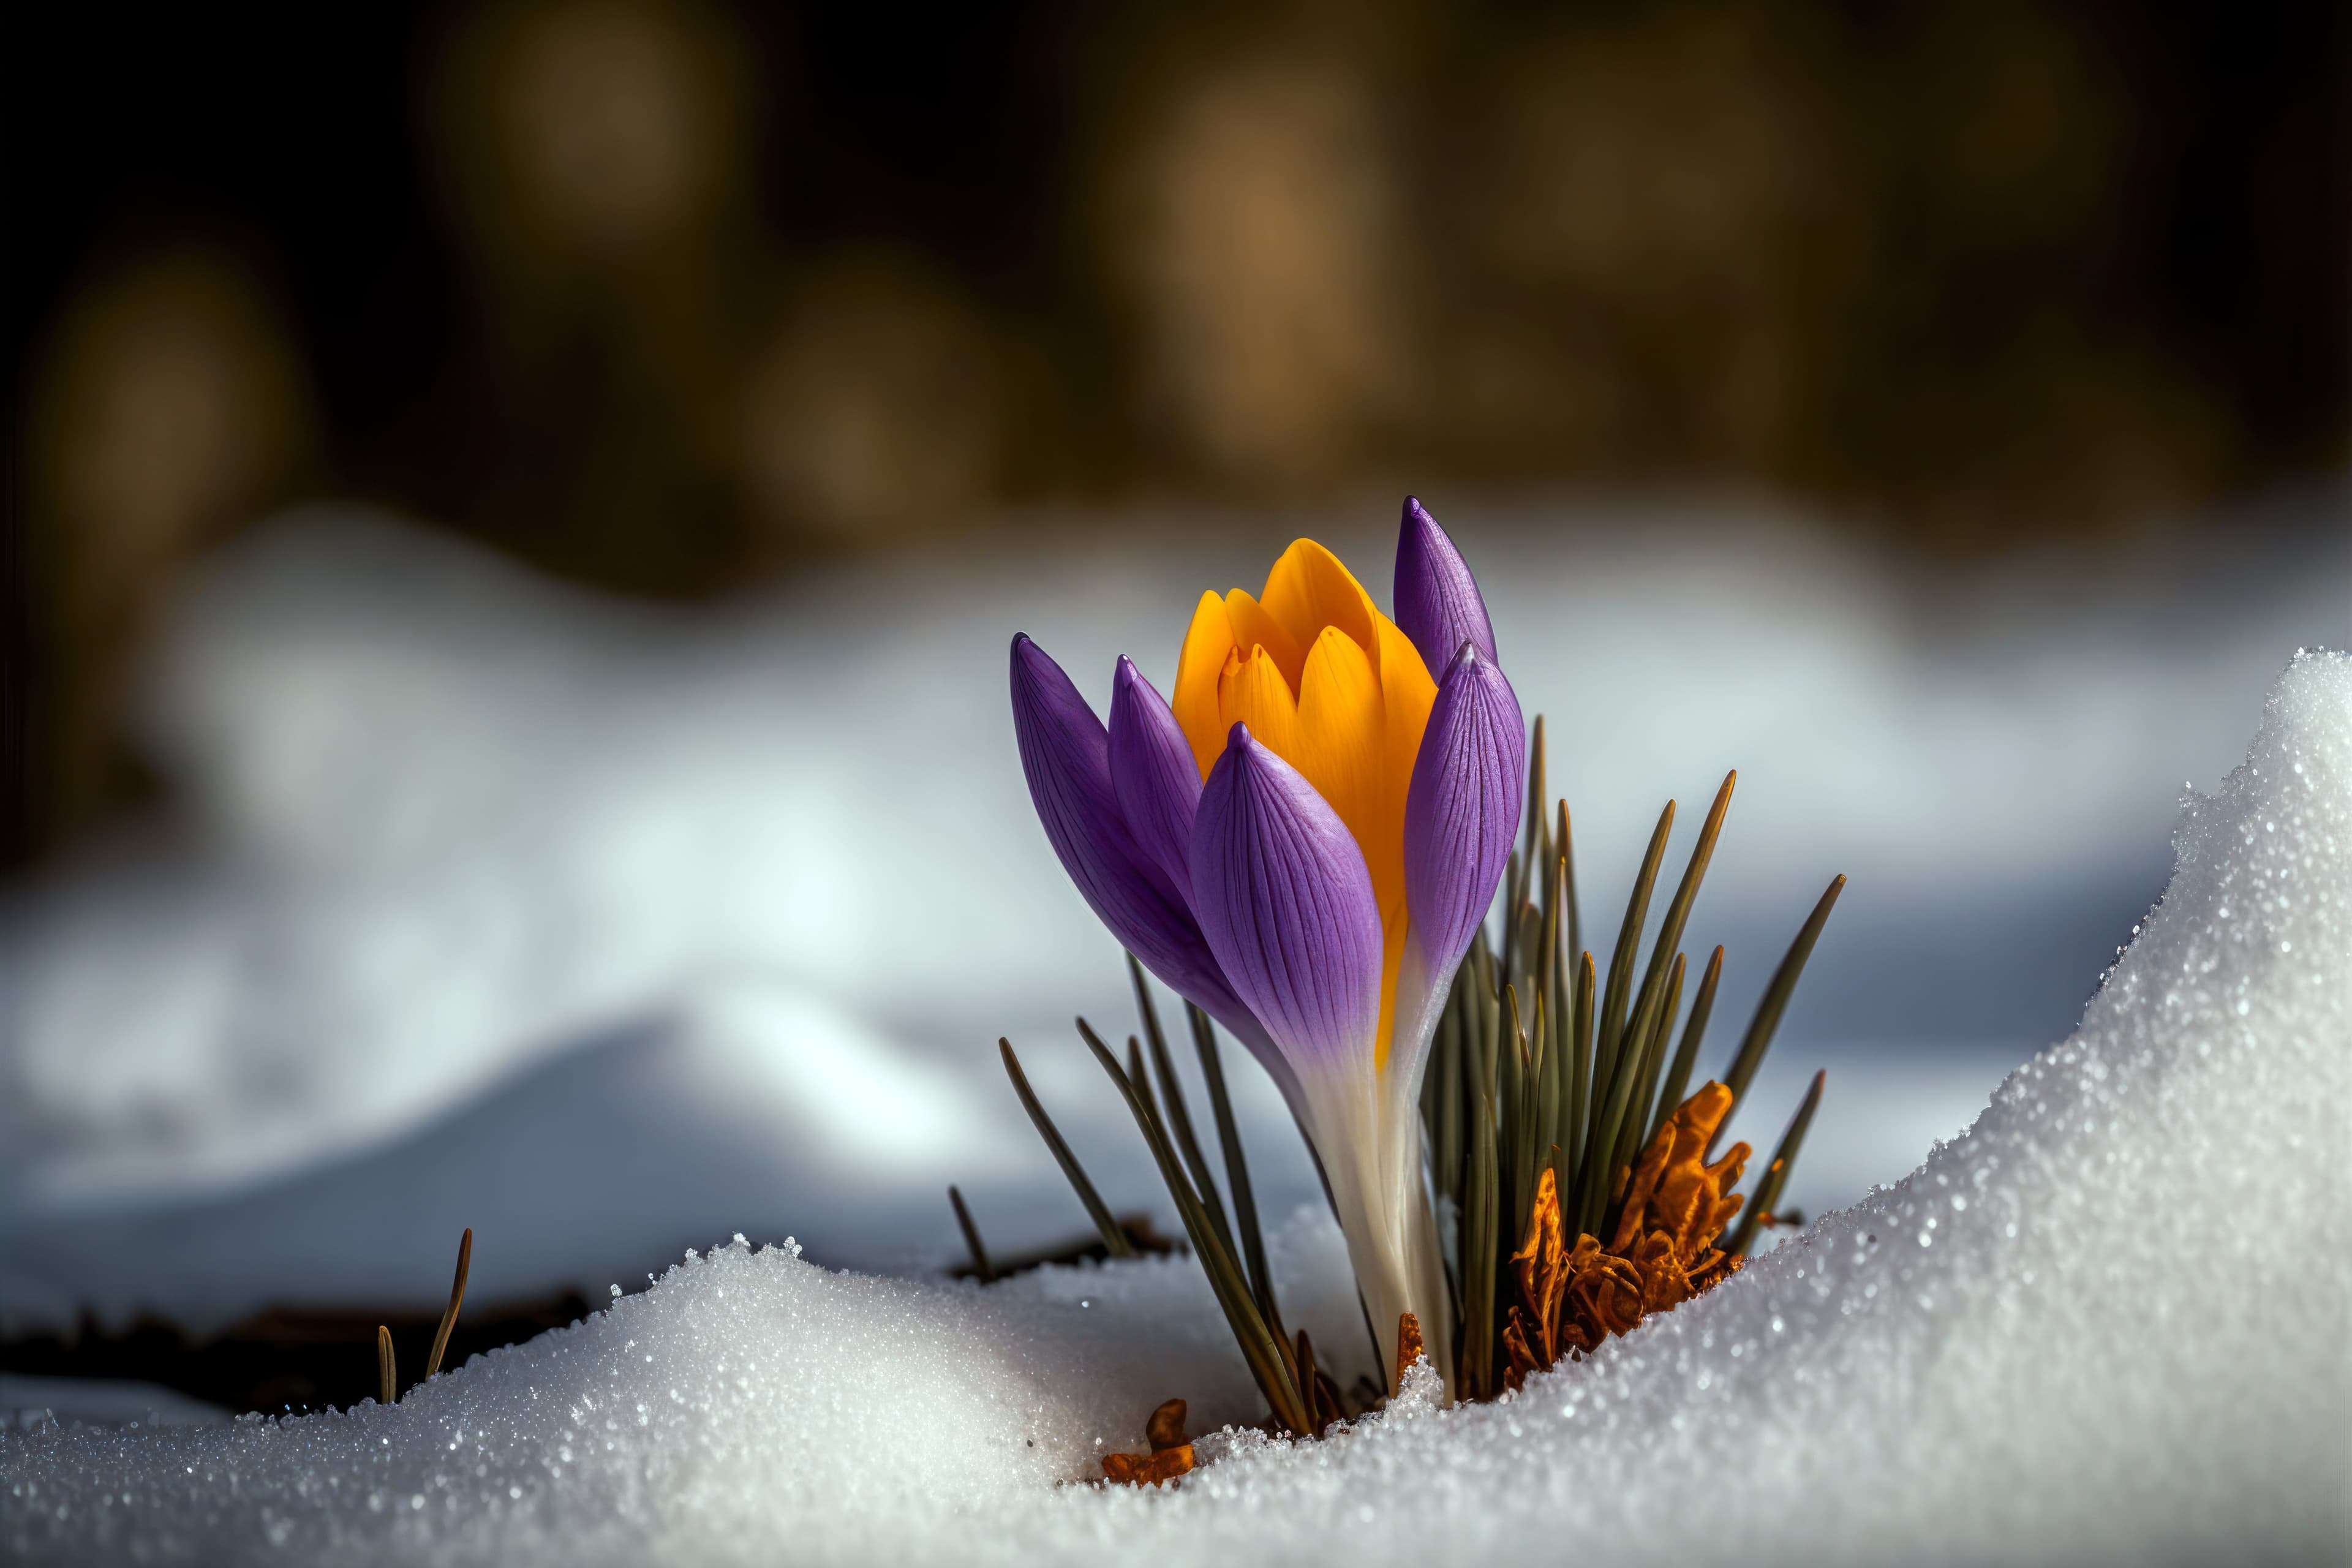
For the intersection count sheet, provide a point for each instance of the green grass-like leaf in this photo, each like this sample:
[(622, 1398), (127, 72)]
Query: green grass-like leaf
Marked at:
[(1180, 1116), (1114, 1238), (1268, 1357), (1775, 1001), (979, 1263), (1677, 1082), (1775, 1174), (1609, 1043), (1237, 1177)]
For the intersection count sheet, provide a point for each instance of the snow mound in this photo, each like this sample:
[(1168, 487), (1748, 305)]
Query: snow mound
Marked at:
[(2106, 1324)]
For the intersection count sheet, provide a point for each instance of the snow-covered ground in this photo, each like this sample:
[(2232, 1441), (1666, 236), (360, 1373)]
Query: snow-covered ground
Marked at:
[(604, 930), (2105, 1324)]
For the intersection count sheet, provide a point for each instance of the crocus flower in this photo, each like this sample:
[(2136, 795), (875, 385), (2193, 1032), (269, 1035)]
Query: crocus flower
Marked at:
[(1303, 842)]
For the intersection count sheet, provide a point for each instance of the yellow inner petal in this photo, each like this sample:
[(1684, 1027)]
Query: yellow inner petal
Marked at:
[(1341, 748), (1334, 688), (1407, 694), (1252, 692), (1199, 667), (1341, 726), (1309, 590), (1253, 627)]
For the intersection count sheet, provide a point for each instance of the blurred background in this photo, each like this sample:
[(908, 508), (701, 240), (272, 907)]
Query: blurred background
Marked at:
[(515, 509), (668, 297)]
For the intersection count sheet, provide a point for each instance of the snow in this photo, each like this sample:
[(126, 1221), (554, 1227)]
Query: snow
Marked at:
[(2106, 1324), (105, 1401), (598, 928)]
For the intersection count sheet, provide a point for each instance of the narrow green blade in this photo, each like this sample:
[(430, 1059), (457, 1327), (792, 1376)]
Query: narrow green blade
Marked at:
[(1479, 1218), (1677, 1082), (1568, 880), (1532, 856), (1600, 1163), (1114, 1238), (1630, 1137), (1510, 915), (1444, 1076), (1619, 994), (1464, 1096), (1268, 1362), (1549, 1091), (979, 1263), (1670, 929), (1237, 1177), (1179, 1115), (1580, 1087), (1775, 1174), (1775, 1001), (1517, 1150)]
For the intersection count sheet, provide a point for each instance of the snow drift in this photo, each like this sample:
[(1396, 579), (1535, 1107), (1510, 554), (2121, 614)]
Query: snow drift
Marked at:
[(2107, 1322)]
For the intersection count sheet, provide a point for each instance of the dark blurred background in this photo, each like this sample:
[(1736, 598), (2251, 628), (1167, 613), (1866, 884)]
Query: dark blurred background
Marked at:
[(668, 297)]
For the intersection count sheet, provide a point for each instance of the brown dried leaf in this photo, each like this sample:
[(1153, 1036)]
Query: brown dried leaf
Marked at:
[(1541, 1263), (1165, 1430), (1604, 1296), (1148, 1469), (1409, 1349), (1673, 1192), (1316, 1416), (1713, 1269), (1326, 1400), (1666, 1284), (1675, 1206), (1522, 1355)]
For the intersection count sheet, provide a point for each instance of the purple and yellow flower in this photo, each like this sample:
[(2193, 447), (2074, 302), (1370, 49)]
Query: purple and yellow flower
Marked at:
[(1303, 844)]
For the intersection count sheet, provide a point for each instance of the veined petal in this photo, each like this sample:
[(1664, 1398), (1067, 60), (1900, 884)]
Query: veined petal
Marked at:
[(1153, 775), (1460, 818), (1208, 643), (1066, 756), (1437, 601), (1463, 813), (1287, 906)]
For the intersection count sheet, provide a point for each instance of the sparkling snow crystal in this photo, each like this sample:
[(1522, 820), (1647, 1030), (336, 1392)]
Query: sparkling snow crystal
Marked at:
[(2108, 1322)]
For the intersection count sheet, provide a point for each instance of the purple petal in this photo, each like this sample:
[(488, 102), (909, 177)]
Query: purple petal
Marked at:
[(1066, 755), (1462, 811), (1286, 904), (1438, 600), (1153, 774)]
